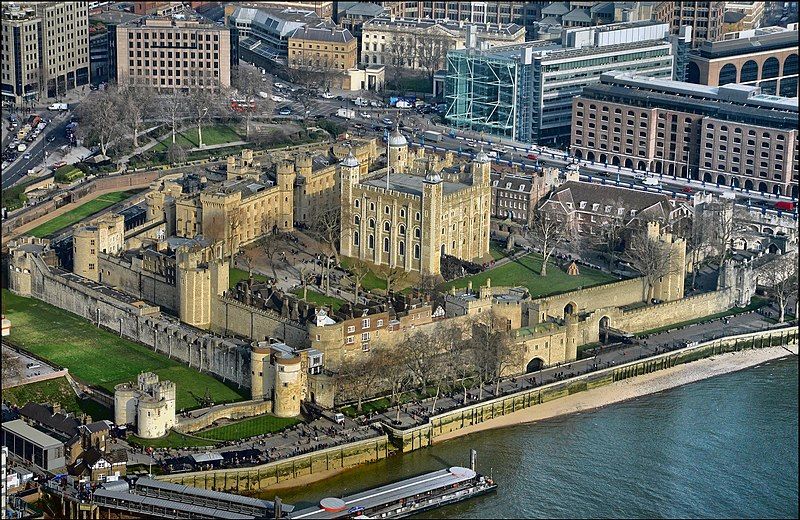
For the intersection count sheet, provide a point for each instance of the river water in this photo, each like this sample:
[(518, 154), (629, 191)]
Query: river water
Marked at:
[(722, 447)]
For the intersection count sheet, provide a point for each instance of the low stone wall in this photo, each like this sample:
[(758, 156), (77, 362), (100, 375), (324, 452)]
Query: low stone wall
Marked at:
[(615, 294), (36, 379), (224, 411), (424, 435), (229, 316), (239, 480)]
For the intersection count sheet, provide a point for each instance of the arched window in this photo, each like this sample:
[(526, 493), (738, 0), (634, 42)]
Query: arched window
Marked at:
[(727, 74), (371, 223), (416, 251), (386, 226), (372, 206), (401, 229), (790, 65), (371, 242), (387, 210), (355, 238), (402, 212), (749, 71), (402, 248), (771, 68), (357, 203), (385, 244), (416, 216), (357, 220), (417, 232)]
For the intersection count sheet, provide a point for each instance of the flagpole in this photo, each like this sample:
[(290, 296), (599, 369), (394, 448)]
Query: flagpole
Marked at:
[(388, 155)]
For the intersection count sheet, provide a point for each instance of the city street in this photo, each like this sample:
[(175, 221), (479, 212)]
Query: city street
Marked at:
[(19, 168)]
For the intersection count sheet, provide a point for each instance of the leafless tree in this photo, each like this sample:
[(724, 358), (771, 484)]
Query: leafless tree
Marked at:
[(271, 244), (780, 275), (249, 86), (247, 258), (611, 231), (394, 277), (493, 351), (652, 258), (176, 153), (389, 365), (417, 353), (358, 271), (700, 241), (173, 107), (138, 101), (204, 105), (431, 52), (356, 378), (325, 226), (400, 56), (426, 284), (546, 232), (100, 118)]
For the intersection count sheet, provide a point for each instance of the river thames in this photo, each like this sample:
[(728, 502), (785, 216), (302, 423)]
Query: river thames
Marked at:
[(721, 447)]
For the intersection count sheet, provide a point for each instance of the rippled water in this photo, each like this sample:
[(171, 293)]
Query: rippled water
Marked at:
[(722, 447)]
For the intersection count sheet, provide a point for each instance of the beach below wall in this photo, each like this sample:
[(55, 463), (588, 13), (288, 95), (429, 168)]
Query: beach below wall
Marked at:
[(596, 398)]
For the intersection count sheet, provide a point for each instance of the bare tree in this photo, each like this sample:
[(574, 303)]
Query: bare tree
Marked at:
[(417, 353), (325, 226), (547, 233), (389, 365), (431, 52), (426, 284), (271, 244), (100, 118), (700, 242), (358, 271), (204, 105), (173, 107), (12, 366), (176, 153), (356, 378), (394, 277), (780, 275), (493, 351), (137, 102), (400, 56), (249, 86), (652, 258)]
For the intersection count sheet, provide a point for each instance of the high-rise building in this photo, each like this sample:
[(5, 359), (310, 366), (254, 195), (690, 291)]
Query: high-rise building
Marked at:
[(705, 18), (752, 13), (732, 135), (45, 49), (175, 53), (524, 92)]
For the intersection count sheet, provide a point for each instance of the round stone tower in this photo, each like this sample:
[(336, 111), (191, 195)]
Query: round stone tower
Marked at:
[(398, 152), (152, 418), (257, 356), (124, 404), (288, 385)]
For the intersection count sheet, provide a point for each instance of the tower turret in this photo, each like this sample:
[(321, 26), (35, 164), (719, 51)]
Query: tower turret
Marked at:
[(481, 168)]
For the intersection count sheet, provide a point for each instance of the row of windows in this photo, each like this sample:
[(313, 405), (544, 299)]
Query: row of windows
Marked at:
[(386, 210), (173, 35), (401, 246)]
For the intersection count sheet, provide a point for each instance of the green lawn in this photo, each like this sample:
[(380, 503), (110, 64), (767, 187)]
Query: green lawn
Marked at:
[(525, 272), (212, 135), (81, 212), (172, 440), (498, 251), (248, 428), (56, 391), (321, 299), (370, 282), (237, 275), (101, 358)]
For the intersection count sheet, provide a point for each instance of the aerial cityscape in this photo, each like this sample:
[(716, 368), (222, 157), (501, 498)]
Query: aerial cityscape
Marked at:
[(327, 259)]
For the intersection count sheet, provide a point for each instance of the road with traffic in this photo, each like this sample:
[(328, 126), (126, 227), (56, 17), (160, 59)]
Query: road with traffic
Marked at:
[(50, 140)]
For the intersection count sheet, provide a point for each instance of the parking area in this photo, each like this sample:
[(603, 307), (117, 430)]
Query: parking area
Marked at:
[(23, 369)]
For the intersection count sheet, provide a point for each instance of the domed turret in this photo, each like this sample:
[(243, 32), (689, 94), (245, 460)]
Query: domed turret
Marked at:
[(482, 157), (397, 139), (350, 161)]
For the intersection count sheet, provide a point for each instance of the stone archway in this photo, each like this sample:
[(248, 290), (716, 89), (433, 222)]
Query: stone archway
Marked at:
[(534, 365), (603, 325), (570, 309)]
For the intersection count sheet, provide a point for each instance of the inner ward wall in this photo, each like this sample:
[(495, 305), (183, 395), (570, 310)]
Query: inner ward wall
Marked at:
[(616, 294), (230, 316), (664, 314)]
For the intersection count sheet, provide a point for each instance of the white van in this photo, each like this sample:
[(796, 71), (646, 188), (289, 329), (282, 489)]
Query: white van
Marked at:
[(339, 418), (639, 176), (651, 181)]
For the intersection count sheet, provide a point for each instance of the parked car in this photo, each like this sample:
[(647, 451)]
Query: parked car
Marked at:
[(327, 95), (687, 189), (387, 121), (285, 111), (365, 115), (278, 85), (26, 156), (533, 156)]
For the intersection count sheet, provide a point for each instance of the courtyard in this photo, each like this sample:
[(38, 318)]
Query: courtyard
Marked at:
[(81, 212)]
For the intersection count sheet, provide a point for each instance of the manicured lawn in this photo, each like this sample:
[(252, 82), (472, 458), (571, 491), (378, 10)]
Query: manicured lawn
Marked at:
[(101, 358), (370, 282), (248, 428), (172, 440), (525, 272), (237, 275), (498, 251), (79, 213), (321, 299), (211, 135), (56, 391)]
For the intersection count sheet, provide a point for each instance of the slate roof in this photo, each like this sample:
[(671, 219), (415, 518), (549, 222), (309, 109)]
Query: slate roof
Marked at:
[(555, 9), (411, 184), (58, 422), (577, 15), (321, 34)]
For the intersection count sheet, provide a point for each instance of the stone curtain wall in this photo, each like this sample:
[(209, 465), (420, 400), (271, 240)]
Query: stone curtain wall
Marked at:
[(118, 272), (226, 359), (424, 435), (233, 411), (229, 316), (241, 480), (661, 315), (615, 294)]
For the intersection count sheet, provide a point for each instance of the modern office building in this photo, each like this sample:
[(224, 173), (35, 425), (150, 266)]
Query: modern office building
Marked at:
[(732, 135), (525, 14), (45, 49), (263, 34), (764, 57), (103, 43), (175, 53), (752, 13), (524, 92), (33, 446)]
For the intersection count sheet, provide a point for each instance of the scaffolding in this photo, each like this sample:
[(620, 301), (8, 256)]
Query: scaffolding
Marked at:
[(484, 93)]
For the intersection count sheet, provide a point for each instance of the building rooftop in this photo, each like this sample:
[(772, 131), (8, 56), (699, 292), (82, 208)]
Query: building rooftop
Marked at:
[(323, 34), (365, 9), (411, 184), (22, 429), (758, 43), (510, 29)]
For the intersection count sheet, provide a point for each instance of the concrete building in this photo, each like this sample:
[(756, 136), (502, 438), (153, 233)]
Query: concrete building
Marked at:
[(105, 234), (705, 18), (103, 42), (328, 51), (150, 405), (731, 135), (45, 49), (321, 8), (263, 33), (530, 99), (398, 219), (521, 13), (33, 446), (422, 44), (178, 53), (766, 58)]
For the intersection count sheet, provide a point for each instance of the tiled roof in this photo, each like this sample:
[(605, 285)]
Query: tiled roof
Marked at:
[(333, 35), (59, 422)]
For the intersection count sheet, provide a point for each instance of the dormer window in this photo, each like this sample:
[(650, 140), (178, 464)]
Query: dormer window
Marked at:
[(508, 185), (608, 209), (620, 211), (595, 207), (583, 204), (633, 212)]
